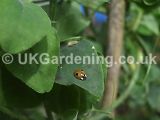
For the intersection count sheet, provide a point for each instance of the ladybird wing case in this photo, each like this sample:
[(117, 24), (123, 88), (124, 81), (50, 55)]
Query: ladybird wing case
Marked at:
[(80, 74)]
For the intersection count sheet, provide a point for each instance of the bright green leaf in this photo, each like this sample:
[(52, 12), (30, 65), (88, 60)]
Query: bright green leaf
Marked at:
[(22, 25)]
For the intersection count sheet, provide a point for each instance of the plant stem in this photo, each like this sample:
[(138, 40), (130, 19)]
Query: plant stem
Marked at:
[(128, 90), (52, 9), (120, 100), (115, 43), (48, 113)]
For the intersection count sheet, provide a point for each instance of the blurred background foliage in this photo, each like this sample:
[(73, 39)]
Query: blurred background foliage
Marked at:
[(76, 19)]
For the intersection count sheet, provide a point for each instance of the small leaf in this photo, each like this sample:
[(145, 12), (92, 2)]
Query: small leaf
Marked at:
[(22, 25), (39, 77), (69, 20), (149, 25), (94, 83)]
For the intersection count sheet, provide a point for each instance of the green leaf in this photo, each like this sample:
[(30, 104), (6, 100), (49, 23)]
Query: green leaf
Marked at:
[(1, 52), (69, 101), (95, 77), (39, 76), (22, 25), (149, 25), (15, 93), (98, 47), (154, 97), (138, 95), (62, 99), (69, 20), (154, 75), (150, 2)]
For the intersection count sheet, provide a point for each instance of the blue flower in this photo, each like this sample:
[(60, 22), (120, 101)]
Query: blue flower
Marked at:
[(99, 17)]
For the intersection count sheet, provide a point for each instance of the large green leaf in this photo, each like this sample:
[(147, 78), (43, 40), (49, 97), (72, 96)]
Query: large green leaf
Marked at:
[(15, 93), (95, 80), (39, 77), (69, 20), (22, 25)]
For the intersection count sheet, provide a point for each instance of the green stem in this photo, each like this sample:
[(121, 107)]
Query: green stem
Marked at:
[(137, 21), (52, 9), (121, 99), (48, 113), (126, 93)]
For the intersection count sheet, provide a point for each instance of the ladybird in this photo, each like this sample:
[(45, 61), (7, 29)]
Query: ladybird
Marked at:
[(80, 74)]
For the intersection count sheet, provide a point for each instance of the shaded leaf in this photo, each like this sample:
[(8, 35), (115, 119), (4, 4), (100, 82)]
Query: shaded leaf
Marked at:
[(39, 77), (149, 25), (95, 77), (69, 101), (62, 99), (15, 93), (69, 20), (70, 115), (154, 97)]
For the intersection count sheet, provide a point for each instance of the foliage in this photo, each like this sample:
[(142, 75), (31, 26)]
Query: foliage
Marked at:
[(26, 91)]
